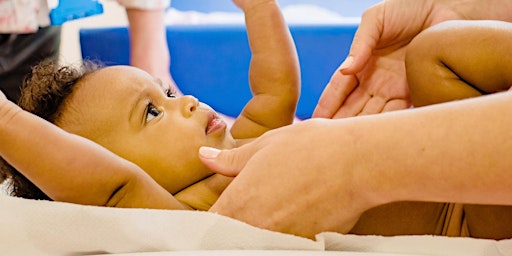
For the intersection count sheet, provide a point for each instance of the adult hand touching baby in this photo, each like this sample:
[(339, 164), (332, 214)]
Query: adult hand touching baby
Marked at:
[(372, 78), (305, 197), (321, 175)]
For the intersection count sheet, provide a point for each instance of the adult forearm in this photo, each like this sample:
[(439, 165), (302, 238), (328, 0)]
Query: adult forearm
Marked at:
[(478, 9), (148, 42), (455, 152), (493, 9)]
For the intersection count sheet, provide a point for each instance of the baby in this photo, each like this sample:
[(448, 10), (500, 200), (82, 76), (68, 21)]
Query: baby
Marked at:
[(136, 117)]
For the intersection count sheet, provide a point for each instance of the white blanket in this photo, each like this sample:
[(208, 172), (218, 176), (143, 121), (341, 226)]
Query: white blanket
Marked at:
[(30, 227)]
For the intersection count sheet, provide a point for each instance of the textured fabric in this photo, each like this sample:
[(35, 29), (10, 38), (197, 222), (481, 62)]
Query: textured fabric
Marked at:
[(31, 227)]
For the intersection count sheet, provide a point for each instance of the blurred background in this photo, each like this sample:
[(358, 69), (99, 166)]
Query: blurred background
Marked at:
[(208, 37), (114, 15), (349, 8)]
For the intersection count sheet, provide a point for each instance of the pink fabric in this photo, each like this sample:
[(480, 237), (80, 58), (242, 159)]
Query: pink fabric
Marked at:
[(26, 16), (22, 16)]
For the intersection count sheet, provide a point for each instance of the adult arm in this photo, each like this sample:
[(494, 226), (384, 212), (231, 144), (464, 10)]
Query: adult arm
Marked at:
[(53, 159), (274, 73), (148, 40), (372, 77), (320, 175)]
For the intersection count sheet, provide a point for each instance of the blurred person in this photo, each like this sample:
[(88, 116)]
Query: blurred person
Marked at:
[(27, 37)]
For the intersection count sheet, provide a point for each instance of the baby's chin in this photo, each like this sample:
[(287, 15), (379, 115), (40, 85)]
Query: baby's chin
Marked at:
[(203, 194)]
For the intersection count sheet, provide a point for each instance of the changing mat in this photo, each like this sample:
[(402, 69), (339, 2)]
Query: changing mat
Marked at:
[(31, 227)]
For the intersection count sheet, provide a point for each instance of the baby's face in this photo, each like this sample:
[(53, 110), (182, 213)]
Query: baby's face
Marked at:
[(132, 114)]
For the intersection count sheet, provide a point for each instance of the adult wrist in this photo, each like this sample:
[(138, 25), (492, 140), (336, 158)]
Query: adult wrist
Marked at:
[(480, 9), (497, 9), (357, 161)]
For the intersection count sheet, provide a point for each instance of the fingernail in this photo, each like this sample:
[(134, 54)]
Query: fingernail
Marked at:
[(347, 63), (208, 152)]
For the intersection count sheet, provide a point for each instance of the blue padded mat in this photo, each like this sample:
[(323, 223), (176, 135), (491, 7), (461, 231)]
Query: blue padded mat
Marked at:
[(211, 61)]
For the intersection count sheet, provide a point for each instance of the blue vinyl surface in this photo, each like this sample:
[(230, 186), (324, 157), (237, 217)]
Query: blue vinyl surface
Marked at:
[(211, 61)]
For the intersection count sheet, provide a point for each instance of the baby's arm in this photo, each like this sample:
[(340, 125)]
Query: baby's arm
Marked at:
[(72, 169), (459, 59), (274, 73)]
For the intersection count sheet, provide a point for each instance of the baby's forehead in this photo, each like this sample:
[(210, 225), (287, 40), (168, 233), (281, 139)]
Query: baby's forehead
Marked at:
[(110, 90), (127, 72), (128, 76), (140, 76)]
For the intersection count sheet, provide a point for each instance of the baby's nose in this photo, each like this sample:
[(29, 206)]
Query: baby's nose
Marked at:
[(189, 104)]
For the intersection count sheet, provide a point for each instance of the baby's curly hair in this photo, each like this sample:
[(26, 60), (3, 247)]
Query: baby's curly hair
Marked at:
[(43, 93)]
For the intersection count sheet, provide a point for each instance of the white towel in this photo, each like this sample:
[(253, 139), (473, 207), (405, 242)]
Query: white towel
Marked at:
[(31, 227)]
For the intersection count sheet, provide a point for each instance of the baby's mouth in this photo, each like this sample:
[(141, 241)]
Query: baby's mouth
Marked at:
[(215, 123)]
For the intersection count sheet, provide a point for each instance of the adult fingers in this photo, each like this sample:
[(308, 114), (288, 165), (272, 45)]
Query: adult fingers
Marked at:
[(334, 95), (354, 103), (365, 40)]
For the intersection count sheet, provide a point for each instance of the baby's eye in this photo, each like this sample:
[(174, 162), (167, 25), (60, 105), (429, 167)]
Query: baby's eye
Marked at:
[(151, 113), (171, 93)]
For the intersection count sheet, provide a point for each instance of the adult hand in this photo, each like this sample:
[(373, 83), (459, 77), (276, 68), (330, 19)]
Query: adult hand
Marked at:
[(372, 78), (285, 184)]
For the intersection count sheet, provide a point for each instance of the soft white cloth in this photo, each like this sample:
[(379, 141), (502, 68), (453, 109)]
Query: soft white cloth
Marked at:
[(418, 245), (31, 227)]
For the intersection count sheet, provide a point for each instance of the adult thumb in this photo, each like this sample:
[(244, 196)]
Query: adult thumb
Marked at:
[(227, 162), (365, 40)]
